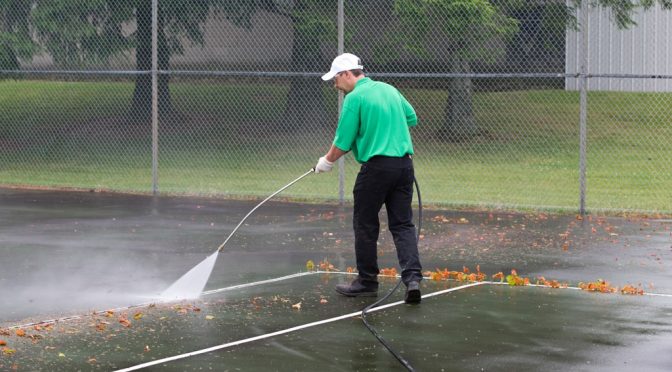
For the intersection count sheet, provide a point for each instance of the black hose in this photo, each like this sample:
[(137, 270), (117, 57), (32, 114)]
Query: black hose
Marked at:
[(401, 359)]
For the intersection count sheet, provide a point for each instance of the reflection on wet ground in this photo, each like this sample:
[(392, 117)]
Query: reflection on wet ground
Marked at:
[(65, 253)]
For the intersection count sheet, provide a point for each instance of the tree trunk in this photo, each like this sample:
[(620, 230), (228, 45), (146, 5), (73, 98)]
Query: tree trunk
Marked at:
[(460, 124), (305, 100), (8, 60), (142, 95)]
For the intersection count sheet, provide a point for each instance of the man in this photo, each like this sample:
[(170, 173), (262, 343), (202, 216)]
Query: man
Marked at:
[(374, 125)]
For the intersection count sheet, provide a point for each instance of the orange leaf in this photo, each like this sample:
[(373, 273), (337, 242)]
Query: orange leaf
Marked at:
[(631, 290)]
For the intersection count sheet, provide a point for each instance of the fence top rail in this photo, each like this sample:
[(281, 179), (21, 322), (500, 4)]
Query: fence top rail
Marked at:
[(410, 75), (74, 72)]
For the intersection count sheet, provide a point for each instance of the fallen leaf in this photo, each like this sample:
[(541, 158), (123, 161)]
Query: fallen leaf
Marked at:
[(61, 355), (388, 271), (3, 343), (137, 316), (323, 301), (8, 351), (632, 290), (147, 349), (20, 332), (209, 317), (35, 338), (297, 306)]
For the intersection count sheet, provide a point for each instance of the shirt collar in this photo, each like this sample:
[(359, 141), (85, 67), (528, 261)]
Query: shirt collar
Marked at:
[(362, 81)]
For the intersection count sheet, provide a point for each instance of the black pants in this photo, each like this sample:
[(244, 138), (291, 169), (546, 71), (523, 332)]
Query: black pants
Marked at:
[(389, 181)]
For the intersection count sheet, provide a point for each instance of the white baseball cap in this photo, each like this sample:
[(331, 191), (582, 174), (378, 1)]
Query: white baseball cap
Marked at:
[(344, 62)]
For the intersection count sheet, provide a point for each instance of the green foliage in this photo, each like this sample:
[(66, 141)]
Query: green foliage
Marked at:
[(80, 32), (466, 28), (314, 19), (15, 41), (182, 20), (86, 32)]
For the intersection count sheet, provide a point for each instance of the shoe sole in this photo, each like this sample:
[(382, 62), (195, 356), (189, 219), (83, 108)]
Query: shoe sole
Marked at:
[(413, 297), (360, 294)]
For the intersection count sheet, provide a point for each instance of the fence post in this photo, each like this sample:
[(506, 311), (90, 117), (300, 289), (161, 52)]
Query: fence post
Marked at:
[(341, 161), (583, 107), (155, 99)]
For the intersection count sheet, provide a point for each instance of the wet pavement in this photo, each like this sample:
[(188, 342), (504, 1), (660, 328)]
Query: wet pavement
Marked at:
[(71, 253)]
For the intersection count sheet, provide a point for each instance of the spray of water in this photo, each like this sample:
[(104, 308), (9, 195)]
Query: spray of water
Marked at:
[(191, 284)]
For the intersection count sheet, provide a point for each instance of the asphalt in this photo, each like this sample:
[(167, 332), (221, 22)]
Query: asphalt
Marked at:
[(74, 253)]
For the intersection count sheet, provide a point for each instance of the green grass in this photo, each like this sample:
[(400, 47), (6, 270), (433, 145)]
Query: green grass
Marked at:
[(226, 142)]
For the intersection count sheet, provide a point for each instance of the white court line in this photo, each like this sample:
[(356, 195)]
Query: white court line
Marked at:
[(147, 304), (499, 283), (239, 286), (579, 289), (288, 330)]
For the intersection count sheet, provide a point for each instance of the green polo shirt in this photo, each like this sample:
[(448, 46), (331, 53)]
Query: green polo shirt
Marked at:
[(374, 121)]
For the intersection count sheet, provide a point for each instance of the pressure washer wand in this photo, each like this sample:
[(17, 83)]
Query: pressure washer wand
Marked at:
[(312, 170), (191, 284)]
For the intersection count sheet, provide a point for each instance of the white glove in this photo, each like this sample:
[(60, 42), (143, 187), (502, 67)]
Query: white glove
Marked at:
[(323, 165)]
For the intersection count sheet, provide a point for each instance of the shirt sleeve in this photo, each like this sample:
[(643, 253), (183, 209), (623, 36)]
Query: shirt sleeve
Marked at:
[(411, 117), (348, 125)]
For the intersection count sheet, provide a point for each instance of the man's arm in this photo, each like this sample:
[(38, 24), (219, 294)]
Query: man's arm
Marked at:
[(411, 117), (334, 153), (325, 163)]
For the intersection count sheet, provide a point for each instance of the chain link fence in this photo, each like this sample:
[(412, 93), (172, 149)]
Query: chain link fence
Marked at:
[(241, 110)]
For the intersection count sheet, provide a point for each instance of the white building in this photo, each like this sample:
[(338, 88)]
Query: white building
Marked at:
[(644, 49)]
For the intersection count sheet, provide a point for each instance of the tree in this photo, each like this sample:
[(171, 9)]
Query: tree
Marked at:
[(177, 21), (469, 31), (473, 31), (313, 26), (88, 33), (15, 42)]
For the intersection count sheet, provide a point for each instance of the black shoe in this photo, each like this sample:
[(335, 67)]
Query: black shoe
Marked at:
[(413, 295), (358, 289)]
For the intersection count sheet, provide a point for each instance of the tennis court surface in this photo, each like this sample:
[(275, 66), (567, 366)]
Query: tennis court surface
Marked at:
[(96, 262)]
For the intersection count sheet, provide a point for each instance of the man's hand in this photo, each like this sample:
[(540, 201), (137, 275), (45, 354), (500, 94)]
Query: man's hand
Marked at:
[(323, 165)]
